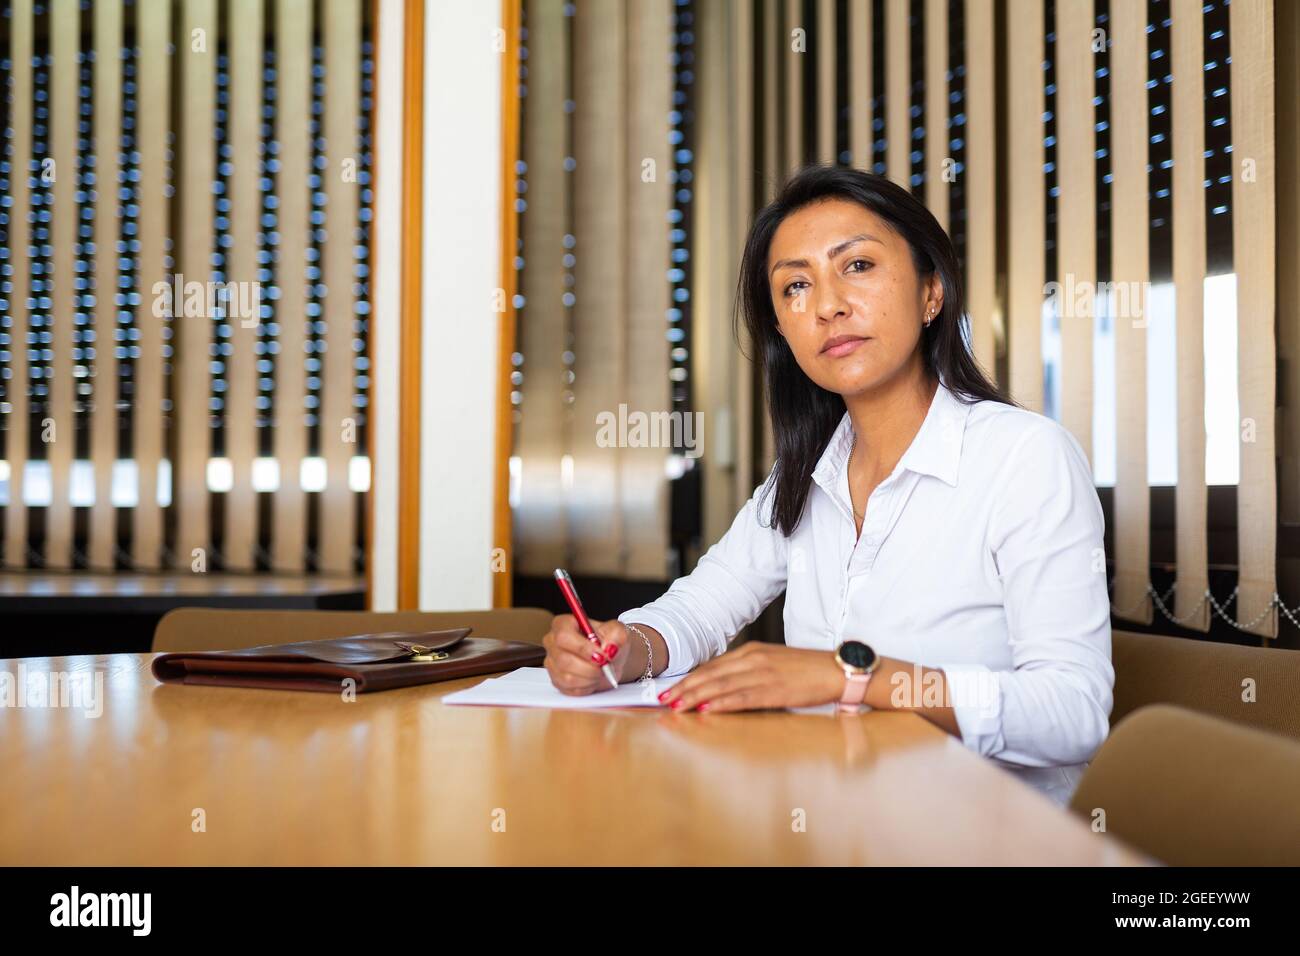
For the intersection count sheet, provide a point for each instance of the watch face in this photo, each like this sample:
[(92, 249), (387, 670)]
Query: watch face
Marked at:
[(857, 654)]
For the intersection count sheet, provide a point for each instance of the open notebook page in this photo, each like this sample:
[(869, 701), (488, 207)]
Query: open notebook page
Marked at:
[(532, 687)]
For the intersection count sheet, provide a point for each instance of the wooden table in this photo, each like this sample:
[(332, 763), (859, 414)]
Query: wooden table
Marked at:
[(399, 778)]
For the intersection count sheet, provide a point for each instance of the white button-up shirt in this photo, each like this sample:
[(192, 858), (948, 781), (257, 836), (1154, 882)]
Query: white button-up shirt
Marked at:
[(981, 554)]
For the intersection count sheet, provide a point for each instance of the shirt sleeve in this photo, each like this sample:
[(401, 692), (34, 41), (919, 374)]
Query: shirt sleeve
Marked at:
[(1046, 533), (735, 580)]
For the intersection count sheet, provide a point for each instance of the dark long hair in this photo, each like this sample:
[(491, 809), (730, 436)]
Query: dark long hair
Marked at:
[(805, 415)]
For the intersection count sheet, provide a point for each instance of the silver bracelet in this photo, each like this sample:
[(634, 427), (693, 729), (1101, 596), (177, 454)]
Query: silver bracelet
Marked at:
[(649, 651)]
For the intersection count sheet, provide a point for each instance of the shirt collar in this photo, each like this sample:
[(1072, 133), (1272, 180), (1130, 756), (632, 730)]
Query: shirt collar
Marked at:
[(935, 450)]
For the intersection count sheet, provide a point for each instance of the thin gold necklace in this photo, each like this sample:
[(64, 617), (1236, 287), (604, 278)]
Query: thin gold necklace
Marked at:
[(847, 468)]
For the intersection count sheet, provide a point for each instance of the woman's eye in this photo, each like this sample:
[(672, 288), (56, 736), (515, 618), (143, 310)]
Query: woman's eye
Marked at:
[(792, 288), (859, 262)]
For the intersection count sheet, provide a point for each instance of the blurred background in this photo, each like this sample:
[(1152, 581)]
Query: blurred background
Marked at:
[(404, 303)]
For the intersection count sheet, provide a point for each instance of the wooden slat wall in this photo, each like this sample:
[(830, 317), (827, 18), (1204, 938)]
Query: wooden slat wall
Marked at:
[(246, 53), (1130, 275), (1254, 251), (21, 30), (153, 33), (936, 108), (1026, 200), (541, 531), (981, 185), (1187, 49), (600, 222), (622, 97), (107, 130), (192, 334), (649, 47), (1076, 234), (176, 218), (65, 40), (898, 98), (293, 39), (341, 27)]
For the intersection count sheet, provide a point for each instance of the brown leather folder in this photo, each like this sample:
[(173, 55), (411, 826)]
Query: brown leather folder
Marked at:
[(373, 661)]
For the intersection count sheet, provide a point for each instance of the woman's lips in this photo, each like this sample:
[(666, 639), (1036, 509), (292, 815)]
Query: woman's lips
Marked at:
[(842, 345)]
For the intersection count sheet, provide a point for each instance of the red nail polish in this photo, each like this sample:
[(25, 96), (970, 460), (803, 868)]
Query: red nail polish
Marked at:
[(703, 707), (664, 695), (597, 659), (612, 652), (676, 704)]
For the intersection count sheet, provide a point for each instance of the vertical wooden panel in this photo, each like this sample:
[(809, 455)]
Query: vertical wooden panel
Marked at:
[(293, 38), (794, 96), (776, 41), (338, 424), (18, 435), (65, 40), (754, 440), (898, 93), (1130, 275), (649, 100), (937, 150), (600, 223), (246, 38), (1027, 202), (108, 130), (1187, 43), (860, 82), (750, 418), (1076, 233), (1287, 63), (153, 34), (713, 353), (411, 334), (192, 333), (511, 12), (981, 184), (541, 531), (1254, 194), (827, 114)]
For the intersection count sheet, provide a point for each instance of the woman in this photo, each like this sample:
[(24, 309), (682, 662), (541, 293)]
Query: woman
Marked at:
[(940, 548)]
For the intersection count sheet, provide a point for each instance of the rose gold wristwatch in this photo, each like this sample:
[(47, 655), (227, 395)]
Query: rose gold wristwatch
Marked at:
[(858, 661)]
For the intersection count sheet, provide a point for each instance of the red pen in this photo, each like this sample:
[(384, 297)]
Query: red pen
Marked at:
[(571, 595)]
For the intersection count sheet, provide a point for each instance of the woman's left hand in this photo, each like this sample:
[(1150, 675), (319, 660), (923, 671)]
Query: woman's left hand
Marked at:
[(758, 676)]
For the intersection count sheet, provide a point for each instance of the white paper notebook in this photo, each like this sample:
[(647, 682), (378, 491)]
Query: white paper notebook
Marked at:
[(532, 687)]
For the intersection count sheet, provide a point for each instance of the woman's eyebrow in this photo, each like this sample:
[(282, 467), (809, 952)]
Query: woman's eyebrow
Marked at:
[(831, 253)]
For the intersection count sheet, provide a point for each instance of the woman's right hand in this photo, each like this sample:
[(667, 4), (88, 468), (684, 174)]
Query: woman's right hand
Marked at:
[(574, 662)]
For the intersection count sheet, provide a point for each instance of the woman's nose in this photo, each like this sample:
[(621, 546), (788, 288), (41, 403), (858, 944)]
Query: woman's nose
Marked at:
[(830, 305)]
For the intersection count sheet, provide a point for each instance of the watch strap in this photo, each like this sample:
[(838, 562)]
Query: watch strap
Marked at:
[(855, 691)]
